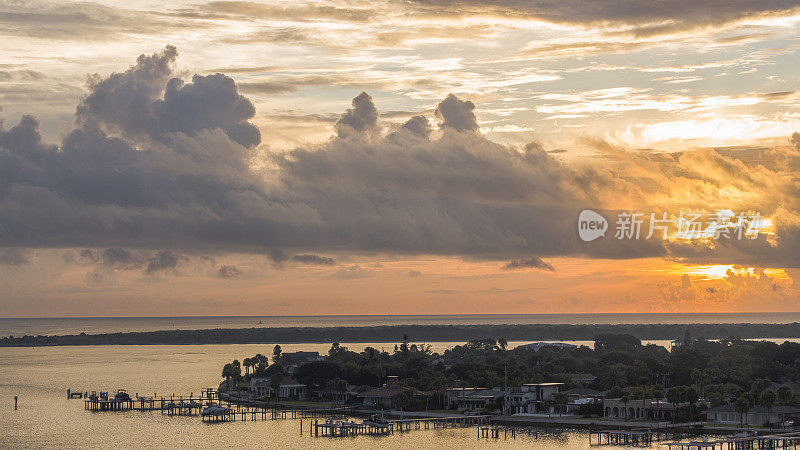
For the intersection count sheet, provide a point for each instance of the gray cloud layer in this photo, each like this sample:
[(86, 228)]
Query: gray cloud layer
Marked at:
[(158, 163)]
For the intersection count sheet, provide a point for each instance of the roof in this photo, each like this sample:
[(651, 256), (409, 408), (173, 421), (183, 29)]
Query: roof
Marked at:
[(483, 394), (584, 391)]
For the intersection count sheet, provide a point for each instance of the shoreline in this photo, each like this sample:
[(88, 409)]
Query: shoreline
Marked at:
[(418, 333)]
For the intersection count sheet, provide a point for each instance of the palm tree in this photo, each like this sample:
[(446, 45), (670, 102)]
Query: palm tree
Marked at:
[(247, 363), (742, 406), (276, 354), (625, 399), (227, 373)]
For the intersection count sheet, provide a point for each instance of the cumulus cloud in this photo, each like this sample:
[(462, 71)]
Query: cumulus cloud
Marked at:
[(361, 119), (163, 261), (528, 263), (457, 114), (159, 163), (146, 100)]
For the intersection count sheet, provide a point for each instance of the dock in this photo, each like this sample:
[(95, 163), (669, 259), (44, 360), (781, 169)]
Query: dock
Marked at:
[(768, 441), (643, 436), (333, 428)]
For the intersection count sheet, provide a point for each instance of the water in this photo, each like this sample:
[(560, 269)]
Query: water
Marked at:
[(41, 376), (56, 326)]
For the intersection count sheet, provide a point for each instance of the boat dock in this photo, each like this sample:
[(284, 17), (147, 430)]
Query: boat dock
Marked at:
[(643, 436), (334, 428), (768, 441)]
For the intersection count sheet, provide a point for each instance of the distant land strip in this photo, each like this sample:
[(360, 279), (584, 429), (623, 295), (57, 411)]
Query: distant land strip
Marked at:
[(417, 333)]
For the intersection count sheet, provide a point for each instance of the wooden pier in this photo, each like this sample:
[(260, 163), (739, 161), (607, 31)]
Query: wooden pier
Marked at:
[(643, 437), (334, 428), (769, 441)]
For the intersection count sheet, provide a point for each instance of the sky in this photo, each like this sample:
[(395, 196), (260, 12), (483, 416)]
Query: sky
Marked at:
[(416, 157)]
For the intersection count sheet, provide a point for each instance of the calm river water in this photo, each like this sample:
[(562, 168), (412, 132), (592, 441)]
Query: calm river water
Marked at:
[(41, 377)]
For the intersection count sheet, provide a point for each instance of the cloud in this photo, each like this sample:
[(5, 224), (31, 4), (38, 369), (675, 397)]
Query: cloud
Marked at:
[(644, 19), (457, 114), (361, 119), (137, 102), (528, 263), (120, 258), (352, 272), (227, 271), (163, 261), (158, 163), (314, 259), (13, 257)]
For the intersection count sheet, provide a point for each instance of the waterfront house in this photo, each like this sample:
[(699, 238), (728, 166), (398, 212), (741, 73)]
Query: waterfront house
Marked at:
[(289, 388), (578, 397), (381, 397), (758, 415), (639, 409), (478, 399), (531, 398)]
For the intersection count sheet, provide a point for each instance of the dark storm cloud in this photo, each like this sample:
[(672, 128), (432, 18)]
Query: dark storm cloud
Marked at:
[(157, 163), (528, 263)]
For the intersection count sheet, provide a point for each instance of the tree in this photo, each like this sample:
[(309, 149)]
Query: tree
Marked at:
[(768, 398), (742, 406), (625, 399), (228, 372), (247, 363), (502, 343), (336, 386), (404, 345), (675, 396), (275, 380), (785, 395), (276, 354), (560, 400)]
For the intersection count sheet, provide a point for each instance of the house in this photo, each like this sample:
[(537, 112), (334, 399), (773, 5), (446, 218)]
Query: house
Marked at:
[(381, 397), (532, 398), (758, 415), (578, 397), (639, 409), (474, 399), (289, 388)]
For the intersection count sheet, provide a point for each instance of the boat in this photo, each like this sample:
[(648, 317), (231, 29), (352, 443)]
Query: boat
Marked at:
[(377, 420)]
